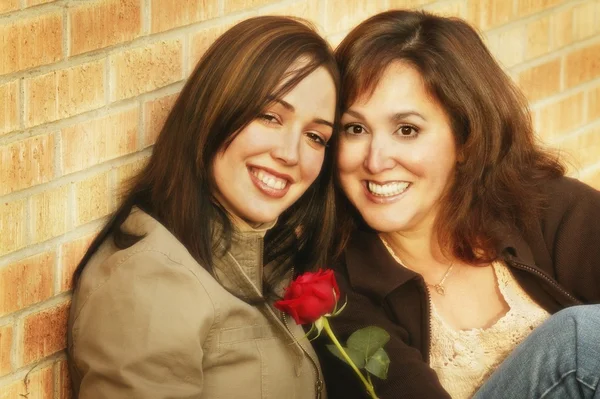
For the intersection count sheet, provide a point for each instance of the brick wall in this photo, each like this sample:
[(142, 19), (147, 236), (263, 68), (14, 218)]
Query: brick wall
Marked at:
[(86, 84)]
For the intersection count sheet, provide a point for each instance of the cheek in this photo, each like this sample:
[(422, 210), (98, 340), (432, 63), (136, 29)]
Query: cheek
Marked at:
[(312, 162), (350, 156)]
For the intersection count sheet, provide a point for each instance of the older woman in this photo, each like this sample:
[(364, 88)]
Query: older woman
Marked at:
[(461, 235)]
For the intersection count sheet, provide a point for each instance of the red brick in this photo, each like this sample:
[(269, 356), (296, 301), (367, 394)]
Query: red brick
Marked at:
[(561, 28), (99, 140), (144, 69), (12, 226), (538, 37), (486, 14), (31, 3), (582, 65), (45, 333), (49, 213), (169, 14), (561, 116), (155, 115), (583, 149), (541, 80), (592, 178), (26, 282), (39, 384), (64, 381), (26, 163), (202, 40), (9, 107), (30, 42), (125, 173), (236, 5), (507, 55), (93, 197), (6, 337), (8, 5), (594, 105), (64, 93), (72, 253), (345, 14), (526, 7), (308, 9), (586, 16), (455, 8), (103, 23), (409, 3)]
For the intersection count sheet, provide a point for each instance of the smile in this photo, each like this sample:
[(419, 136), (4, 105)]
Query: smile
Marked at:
[(388, 189), (268, 183)]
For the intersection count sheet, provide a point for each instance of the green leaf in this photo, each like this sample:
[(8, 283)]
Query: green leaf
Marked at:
[(368, 340), (378, 364), (357, 358)]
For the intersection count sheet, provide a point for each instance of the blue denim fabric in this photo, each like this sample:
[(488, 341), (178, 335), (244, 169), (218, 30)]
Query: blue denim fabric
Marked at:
[(559, 359)]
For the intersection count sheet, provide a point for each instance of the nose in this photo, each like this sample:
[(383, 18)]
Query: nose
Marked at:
[(287, 148), (380, 155)]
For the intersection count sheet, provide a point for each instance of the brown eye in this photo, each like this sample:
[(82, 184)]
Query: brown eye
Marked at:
[(354, 129), (407, 131)]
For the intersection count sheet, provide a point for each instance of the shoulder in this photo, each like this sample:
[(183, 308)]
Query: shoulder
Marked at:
[(568, 199), (158, 262)]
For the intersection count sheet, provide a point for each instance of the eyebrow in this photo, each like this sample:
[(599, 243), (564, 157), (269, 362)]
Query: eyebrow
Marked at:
[(291, 108), (398, 116)]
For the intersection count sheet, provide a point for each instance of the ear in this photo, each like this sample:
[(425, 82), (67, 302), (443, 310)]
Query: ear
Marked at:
[(460, 156)]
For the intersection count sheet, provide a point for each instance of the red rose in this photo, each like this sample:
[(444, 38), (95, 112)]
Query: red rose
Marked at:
[(310, 296)]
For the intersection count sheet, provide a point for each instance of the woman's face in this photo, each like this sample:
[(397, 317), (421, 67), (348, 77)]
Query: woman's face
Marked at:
[(397, 153), (274, 160)]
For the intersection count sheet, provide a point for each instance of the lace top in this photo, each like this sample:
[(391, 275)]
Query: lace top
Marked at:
[(464, 359)]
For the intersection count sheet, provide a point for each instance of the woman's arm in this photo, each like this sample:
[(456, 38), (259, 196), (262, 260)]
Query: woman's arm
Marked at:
[(140, 334), (409, 375)]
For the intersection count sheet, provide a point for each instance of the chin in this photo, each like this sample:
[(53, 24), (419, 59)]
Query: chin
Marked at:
[(383, 224)]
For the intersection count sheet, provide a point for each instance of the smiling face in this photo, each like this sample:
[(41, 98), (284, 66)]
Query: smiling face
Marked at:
[(397, 153), (274, 159)]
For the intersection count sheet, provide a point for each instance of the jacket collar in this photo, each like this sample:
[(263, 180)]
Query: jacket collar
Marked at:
[(371, 268), (373, 271), (239, 268)]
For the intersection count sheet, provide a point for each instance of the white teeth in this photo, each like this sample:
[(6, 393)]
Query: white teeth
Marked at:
[(269, 180), (387, 190)]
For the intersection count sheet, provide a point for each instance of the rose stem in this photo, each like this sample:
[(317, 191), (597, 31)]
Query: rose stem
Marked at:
[(366, 383)]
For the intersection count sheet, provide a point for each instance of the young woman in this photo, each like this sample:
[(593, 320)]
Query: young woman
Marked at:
[(461, 235), (174, 297)]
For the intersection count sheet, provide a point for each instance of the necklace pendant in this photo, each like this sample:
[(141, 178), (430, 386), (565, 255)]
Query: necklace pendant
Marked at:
[(440, 289)]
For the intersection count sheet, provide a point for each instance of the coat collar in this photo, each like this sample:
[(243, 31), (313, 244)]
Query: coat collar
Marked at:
[(239, 268), (373, 271)]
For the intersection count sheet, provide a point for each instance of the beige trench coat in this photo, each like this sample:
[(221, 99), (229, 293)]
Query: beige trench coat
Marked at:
[(149, 322)]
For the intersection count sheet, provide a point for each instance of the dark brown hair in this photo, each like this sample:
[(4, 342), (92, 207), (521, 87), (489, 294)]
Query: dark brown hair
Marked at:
[(500, 167), (233, 82)]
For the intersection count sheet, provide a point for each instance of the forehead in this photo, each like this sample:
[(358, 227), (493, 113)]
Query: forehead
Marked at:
[(398, 80)]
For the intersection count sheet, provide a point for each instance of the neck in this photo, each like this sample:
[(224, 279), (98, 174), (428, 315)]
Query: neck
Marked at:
[(419, 250)]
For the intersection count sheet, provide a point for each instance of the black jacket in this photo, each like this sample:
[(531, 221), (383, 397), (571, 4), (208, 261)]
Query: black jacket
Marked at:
[(558, 265)]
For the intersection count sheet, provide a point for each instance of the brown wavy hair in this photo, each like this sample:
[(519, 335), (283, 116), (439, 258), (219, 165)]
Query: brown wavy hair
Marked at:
[(232, 84), (501, 167)]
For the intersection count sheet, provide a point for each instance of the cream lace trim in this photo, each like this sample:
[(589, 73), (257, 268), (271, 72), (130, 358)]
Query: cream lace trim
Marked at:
[(464, 359)]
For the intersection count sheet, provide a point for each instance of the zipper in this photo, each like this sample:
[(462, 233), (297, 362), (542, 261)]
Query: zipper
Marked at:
[(546, 279), (319, 383), (428, 296)]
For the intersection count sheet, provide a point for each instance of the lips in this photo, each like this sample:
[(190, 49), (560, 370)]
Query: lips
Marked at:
[(385, 192), (269, 182), (388, 189)]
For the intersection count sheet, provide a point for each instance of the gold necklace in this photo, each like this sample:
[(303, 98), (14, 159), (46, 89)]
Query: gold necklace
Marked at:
[(439, 287)]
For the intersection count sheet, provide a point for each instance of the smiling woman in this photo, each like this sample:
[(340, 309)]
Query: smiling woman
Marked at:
[(174, 296), (460, 234)]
